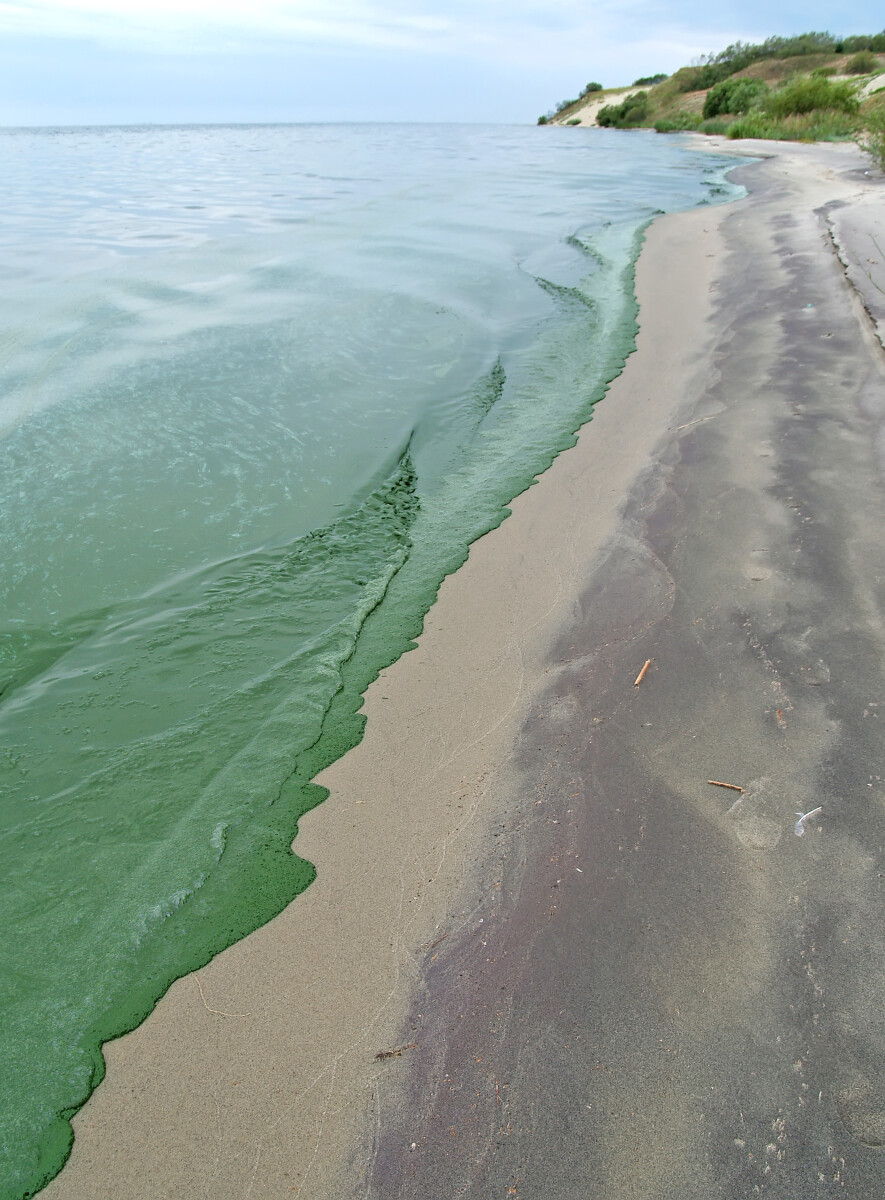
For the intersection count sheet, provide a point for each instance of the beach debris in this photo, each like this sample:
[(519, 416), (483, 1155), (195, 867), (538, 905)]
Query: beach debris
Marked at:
[(734, 787), (639, 678), (217, 1012), (799, 828), (384, 1054)]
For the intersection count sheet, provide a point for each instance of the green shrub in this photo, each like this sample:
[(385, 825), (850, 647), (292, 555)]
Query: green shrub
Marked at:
[(573, 121), (805, 94), (863, 63), (734, 96), (872, 139), (755, 125), (802, 43), (716, 67), (714, 126), (706, 76), (543, 120), (713, 68), (627, 115), (690, 123), (678, 123), (824, 125), (852, 44), (650, 80), (684, 79), (591, 87)]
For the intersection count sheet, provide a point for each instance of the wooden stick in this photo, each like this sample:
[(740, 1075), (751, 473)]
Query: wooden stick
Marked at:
[(382, 1054), (639, 678), (718, 783)]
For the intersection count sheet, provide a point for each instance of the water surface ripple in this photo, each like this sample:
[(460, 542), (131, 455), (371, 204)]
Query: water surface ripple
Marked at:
[(260, 387)]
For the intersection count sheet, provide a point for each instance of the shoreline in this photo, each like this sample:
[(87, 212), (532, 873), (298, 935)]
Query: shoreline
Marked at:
[(258, 1075)]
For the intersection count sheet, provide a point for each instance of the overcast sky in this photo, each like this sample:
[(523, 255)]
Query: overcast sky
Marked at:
[(124, 61)]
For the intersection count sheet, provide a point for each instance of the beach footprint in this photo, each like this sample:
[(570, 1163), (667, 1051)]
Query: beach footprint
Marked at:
[(752, 828), (861, 1108), (758, 567)]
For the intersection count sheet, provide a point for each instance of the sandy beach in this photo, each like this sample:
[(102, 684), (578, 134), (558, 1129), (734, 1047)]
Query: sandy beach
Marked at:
[(544, 957)]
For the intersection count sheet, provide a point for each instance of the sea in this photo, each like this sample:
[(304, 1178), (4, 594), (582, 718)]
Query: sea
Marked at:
[(260, 388)]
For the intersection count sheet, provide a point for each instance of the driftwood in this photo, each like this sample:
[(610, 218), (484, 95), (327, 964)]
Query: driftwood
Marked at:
[(382, 1054), (639, 678)]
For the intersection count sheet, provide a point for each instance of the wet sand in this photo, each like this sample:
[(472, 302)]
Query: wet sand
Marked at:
[(604, 977)]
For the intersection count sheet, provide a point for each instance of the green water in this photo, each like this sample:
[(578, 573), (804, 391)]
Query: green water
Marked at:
[(261, 390)]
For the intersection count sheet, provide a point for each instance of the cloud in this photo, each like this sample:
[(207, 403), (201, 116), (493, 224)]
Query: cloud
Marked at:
[(520, 31), (112, 60), (210, 24), (512, 28)]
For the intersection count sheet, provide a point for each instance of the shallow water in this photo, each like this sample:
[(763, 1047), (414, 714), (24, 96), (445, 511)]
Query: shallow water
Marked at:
[(261, 387)]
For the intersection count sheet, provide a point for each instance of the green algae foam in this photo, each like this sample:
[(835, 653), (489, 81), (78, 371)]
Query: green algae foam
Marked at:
[(261, 388)]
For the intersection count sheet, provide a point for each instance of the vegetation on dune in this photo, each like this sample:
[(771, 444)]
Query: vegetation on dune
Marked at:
[(626, 115), (808, 108), (853, 44), (816, 126), (805, 95), (873, 136), (691, 123), (715, 67), (565, 107), (734, 96), (863, 63), (811, 87)]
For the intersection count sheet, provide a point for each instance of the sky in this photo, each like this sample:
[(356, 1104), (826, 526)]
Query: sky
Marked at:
[(75, 62)]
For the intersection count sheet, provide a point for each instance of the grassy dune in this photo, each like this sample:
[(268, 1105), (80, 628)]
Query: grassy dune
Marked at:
[(809, 88)]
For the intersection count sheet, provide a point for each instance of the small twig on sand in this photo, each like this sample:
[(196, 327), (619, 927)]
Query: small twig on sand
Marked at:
[(382, 1054), (718, 783), (216, 1011), (497, 1093), (639, 678), (437, 942)]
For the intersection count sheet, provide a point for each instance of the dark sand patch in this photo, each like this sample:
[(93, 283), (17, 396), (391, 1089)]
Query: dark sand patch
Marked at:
[(665, 992)]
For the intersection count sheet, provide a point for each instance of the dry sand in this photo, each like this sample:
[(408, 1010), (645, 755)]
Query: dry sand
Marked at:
[(588, 113), (612, 979)]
